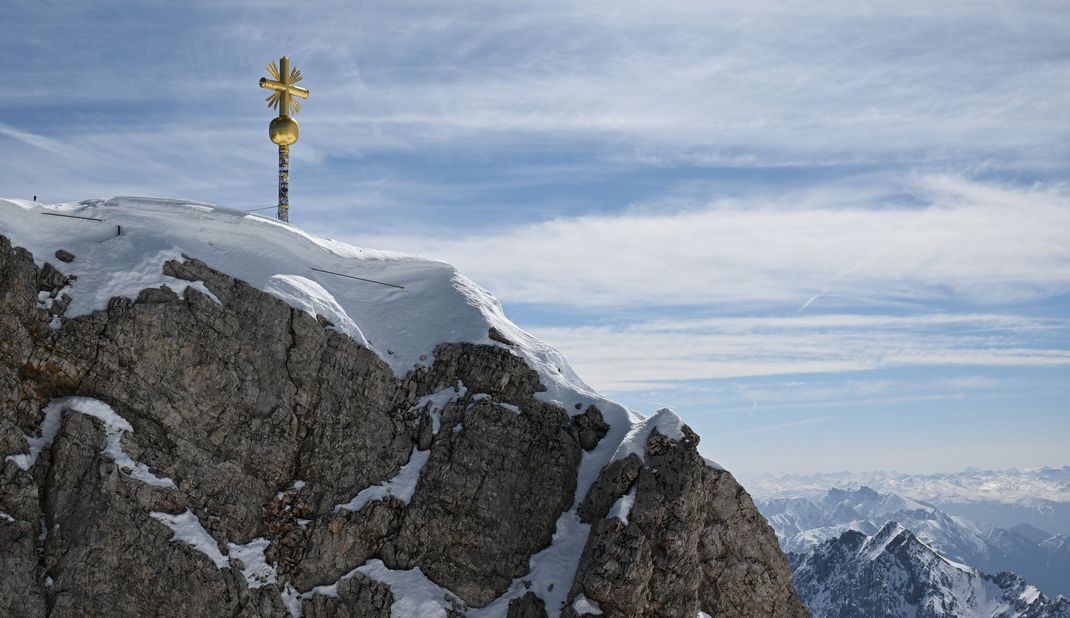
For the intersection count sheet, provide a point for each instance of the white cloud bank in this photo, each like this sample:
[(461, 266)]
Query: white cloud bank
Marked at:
[(844, 277), (836, 245), (651, 355)]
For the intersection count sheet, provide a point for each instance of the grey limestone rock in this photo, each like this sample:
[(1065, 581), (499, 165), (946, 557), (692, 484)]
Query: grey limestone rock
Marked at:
[(344, 540), (23, 577), (358, 597), (612, 483), (527, 606), (104, 552), (591, 427), (454, 529), (267, 420), (692, 541)]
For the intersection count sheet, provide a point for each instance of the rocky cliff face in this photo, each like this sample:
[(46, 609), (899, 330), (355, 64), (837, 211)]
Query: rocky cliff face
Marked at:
[(220, 453)]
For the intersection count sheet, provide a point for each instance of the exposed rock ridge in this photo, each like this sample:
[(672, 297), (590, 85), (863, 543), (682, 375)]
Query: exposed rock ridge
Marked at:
[(297, 461)]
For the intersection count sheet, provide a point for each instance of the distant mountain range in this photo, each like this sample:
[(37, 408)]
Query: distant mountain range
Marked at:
[(1039, 497), (892, 573), (1041, 558), (977, 543)]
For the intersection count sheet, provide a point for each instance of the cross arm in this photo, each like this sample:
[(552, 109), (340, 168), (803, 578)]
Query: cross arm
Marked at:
[(271, 84)]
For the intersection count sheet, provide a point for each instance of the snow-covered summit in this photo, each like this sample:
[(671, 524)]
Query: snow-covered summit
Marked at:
[(121, 244)]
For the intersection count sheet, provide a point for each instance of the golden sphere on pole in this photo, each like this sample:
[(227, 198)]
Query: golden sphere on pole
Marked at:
[(283, 130)]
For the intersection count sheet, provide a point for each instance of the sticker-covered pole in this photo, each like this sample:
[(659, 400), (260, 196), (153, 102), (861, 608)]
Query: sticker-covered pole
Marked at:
[(284, 183)]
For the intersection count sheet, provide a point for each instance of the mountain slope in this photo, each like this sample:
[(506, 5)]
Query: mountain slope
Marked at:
[(803, 522), (1030, 533), (278, 440), (893, 574)]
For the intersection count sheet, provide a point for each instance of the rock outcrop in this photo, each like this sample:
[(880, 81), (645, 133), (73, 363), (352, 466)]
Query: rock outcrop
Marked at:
[(219, 452), (685, 526)]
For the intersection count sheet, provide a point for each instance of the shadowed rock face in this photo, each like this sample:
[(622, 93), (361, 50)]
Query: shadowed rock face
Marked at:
[(265, 419), (691, 527)]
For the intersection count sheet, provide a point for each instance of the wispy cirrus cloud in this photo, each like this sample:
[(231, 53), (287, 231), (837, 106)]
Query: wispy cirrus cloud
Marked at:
[(634, 86), (40, 142), (779, 426), (770, 78)]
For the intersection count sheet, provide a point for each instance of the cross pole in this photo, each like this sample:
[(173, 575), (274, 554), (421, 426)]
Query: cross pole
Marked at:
[(283, 130)]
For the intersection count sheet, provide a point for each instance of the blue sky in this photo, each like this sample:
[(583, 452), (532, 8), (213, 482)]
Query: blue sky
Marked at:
[(832, 235)]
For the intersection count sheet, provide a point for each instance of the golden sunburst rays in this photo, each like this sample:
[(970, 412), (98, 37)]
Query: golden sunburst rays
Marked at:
[(275, 97), (273, 100), (295, 73)]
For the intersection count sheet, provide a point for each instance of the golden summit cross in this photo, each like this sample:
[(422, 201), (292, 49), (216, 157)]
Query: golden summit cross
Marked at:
[(283, 130)]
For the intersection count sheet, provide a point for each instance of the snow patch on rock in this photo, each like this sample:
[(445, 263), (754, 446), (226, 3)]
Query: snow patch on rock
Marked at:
[(255, 568), (551, 570), (666, 421), (186, 286), (114, 428), (622, 508), (402, 486), (582, 605), (186, 527), (487, 397), (438, 402), (49, 429), (311, 297), (414, 594)]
